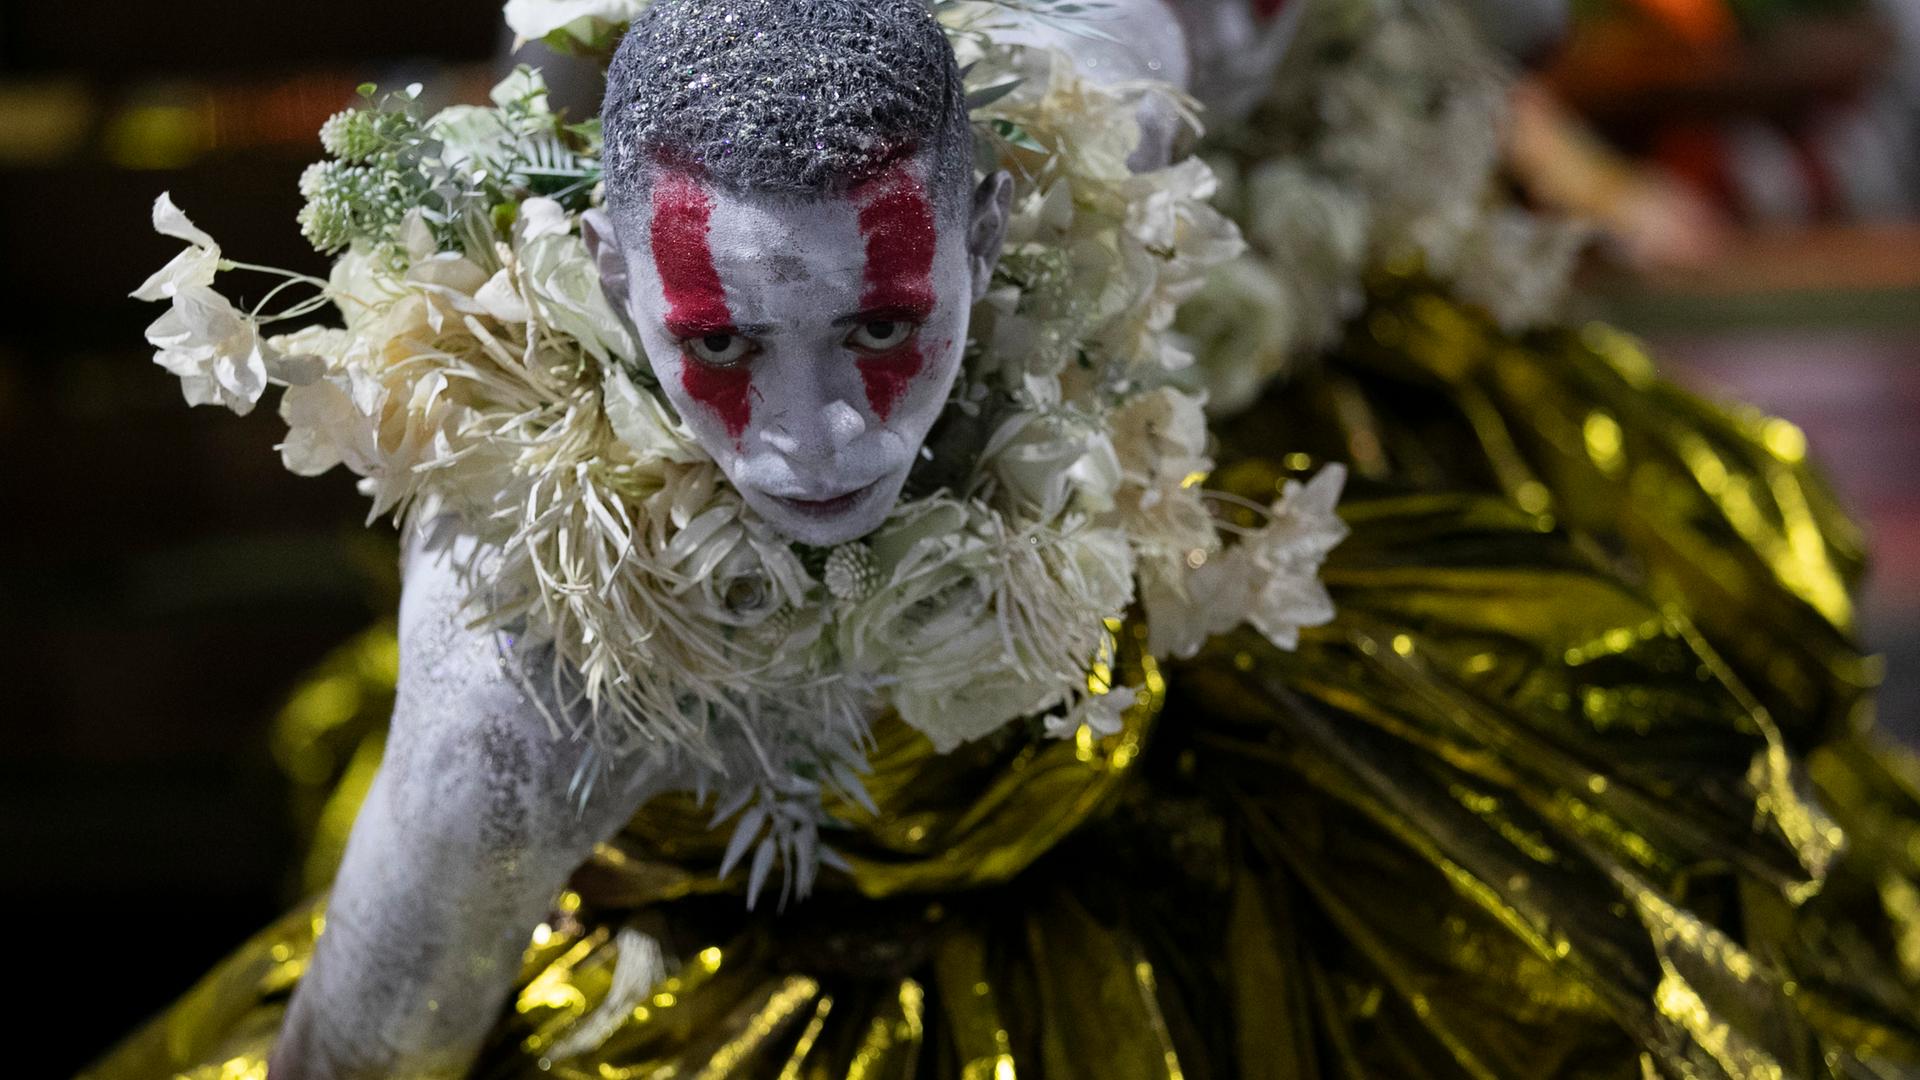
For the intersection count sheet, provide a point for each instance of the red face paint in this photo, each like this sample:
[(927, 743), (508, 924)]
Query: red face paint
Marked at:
[(696, 301), (1267, 9), (897, 222), (727, 391)]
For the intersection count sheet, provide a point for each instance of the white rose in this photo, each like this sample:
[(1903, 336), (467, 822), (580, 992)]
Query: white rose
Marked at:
[(1315, 234), (585, 21), (563, 284), (969, 633), (1240, 329), (731, 572), (972, 686), (1043, 464)]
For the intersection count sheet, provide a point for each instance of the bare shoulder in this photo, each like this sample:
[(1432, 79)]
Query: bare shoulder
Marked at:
[(462, 708), (446, 648)]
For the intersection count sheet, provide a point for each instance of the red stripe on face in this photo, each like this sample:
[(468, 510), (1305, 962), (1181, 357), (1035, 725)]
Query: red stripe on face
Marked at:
[(897, 222), (887, 377), (727, 391), (696, 300)]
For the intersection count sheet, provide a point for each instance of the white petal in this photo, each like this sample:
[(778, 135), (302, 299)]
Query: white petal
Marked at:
[(168, 220), (501, 300), (194, 266), (199, 390), (541, 216)]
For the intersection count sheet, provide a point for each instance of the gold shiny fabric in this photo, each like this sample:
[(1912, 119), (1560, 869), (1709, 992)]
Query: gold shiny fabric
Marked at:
[(1578, 784)]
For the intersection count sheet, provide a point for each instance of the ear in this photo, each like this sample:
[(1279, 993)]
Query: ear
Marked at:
[(987, 228), (603, 246)]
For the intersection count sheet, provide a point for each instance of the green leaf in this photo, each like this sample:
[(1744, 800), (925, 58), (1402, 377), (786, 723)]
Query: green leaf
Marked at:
[(987, 95)]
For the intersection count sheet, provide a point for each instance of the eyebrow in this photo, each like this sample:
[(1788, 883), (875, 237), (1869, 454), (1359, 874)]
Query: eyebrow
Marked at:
[(886, 313), (693, 328)]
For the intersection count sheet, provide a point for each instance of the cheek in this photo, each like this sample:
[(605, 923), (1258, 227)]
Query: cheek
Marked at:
[(725, 392), (887, 378), (924, 367), (704, 395)]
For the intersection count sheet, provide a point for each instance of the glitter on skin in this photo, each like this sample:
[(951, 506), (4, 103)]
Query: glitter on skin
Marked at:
[(696, 299), (896, 220)]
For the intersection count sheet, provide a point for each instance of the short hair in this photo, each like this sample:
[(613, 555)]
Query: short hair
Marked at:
[(797, 97)]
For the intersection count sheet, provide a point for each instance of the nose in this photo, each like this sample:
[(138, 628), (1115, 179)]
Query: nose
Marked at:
[(817, 436)]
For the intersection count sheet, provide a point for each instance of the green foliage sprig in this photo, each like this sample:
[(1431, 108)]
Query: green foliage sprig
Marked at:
[(456, 172)]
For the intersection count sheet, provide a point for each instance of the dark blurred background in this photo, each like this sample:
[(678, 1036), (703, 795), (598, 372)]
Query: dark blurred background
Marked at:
[(164, 582)]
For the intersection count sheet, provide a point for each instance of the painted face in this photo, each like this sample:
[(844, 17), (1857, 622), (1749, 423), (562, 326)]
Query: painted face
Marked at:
[(809, 343)]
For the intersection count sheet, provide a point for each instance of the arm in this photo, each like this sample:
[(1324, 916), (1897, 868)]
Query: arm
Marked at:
[(468, 833)]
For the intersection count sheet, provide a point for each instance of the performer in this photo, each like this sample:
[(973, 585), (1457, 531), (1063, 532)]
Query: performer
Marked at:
[(834, 643)]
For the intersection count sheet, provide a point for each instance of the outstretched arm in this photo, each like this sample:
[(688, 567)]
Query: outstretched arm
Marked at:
[(468, 833)]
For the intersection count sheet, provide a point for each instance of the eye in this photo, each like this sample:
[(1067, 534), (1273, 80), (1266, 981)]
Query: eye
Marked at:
[(719, 350), (881, 335)]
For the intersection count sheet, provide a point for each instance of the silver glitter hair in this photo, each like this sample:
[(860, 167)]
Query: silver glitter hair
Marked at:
[(797, 97)]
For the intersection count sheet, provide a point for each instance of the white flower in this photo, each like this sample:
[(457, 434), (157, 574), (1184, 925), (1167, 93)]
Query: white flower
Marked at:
[(1313, 231), (644, 423), (1043, 462), (361, 285), (1240, 327), (324, 429), (1517, 266), (851, 573), (1160, 443), (563, 284), (732, 570), (1102, 714), (193, 267), (471, 135), (586, 21), (1270, 580), (214, 348), (973, 626)]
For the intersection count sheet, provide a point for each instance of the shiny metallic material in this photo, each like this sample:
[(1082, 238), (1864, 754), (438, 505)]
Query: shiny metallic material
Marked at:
[(1575, 786)]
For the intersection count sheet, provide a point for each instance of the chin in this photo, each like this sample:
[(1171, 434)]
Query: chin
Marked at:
[(828, 522)]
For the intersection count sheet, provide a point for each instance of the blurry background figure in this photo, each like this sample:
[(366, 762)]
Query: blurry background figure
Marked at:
[(1671, 122), (1753, 170), (165, 582)]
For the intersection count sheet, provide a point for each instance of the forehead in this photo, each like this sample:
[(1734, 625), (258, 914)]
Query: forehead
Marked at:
[(885, 223), (665, 184), (754, 237)]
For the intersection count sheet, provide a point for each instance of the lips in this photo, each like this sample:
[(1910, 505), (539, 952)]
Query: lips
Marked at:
[(823, 508)]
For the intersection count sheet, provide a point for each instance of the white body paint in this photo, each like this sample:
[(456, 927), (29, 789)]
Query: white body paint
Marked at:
[(794, 272), (465, 838), (470, 829)]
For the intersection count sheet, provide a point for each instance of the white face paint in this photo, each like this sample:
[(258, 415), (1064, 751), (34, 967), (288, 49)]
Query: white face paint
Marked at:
[(809, 343)]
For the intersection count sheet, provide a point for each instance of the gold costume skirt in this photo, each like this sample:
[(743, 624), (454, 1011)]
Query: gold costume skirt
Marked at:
[(1578, 784)]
